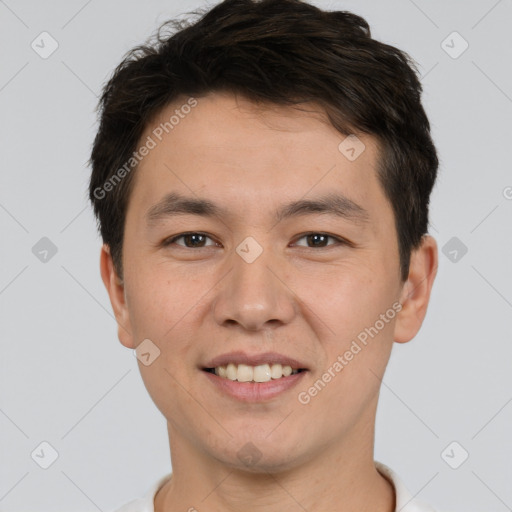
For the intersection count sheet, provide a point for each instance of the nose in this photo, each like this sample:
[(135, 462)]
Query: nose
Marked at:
[(254, 295)]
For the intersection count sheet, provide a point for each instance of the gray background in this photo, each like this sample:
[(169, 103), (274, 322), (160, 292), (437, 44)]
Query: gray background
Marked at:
[(65, 379)]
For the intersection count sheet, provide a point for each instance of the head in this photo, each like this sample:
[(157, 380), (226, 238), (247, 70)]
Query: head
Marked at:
[(248, 128)]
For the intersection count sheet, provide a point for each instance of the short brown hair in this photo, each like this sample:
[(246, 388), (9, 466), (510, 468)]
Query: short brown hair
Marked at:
[(283, 52)]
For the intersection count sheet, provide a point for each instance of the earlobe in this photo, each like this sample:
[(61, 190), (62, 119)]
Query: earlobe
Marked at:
[(115, 290), (416, 290)]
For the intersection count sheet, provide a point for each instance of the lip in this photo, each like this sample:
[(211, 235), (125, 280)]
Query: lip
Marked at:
[(254, 391), (240, 357)]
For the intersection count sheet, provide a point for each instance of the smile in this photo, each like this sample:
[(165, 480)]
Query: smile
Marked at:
[(252, 391), (260, 373)]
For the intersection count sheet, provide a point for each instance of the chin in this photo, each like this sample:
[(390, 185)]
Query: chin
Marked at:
[(260, 456)]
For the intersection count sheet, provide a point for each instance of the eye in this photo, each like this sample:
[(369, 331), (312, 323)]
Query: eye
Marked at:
[(192, 240), (196, 240), (319, 240)]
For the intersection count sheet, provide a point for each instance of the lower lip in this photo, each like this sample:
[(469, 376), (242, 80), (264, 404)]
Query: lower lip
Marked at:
[(254, 391)]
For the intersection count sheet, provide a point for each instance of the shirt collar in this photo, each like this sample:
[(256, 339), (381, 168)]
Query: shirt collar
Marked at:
[(405, 502)]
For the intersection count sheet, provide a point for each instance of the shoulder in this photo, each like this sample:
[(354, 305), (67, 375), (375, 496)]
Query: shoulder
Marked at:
[(405, 502), (146, 502)]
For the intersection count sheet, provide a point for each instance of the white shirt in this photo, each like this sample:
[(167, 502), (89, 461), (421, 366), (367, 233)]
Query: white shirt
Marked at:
[(404, 501)]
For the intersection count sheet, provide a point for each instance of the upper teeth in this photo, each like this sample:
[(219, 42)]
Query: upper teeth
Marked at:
[(260, 373)]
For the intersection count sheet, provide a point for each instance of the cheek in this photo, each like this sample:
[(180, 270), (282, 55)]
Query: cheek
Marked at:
[(359, 310), (345, 387), (347, 298), (161, 309), (156, 302)]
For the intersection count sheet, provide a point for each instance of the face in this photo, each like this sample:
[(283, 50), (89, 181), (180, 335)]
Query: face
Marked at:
[(289, 251)]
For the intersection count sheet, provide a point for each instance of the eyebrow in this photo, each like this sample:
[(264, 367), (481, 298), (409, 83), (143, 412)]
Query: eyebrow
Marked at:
[(336, 204)]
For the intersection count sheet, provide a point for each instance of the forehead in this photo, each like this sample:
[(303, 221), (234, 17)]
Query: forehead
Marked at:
[(250, 155)]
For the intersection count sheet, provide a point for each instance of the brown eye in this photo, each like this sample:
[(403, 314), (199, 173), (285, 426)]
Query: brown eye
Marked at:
[(319, 240), (191, 240)]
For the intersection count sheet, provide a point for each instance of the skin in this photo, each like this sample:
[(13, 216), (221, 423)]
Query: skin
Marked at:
[(303, 300)]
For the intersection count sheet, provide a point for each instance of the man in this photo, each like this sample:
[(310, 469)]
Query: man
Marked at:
[(261, 180)]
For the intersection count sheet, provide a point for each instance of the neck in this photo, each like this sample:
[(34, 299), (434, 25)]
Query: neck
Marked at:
[(341, 477)]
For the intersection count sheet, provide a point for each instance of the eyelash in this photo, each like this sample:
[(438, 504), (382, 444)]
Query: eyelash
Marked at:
[(340, 241)]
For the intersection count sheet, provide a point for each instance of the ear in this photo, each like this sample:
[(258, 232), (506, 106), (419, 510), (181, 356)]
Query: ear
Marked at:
[(115, 289), (416, 290)]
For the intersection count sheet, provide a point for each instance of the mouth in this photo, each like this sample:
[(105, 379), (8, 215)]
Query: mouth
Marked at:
[(254, 374), (253, 378), (256, 384)]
